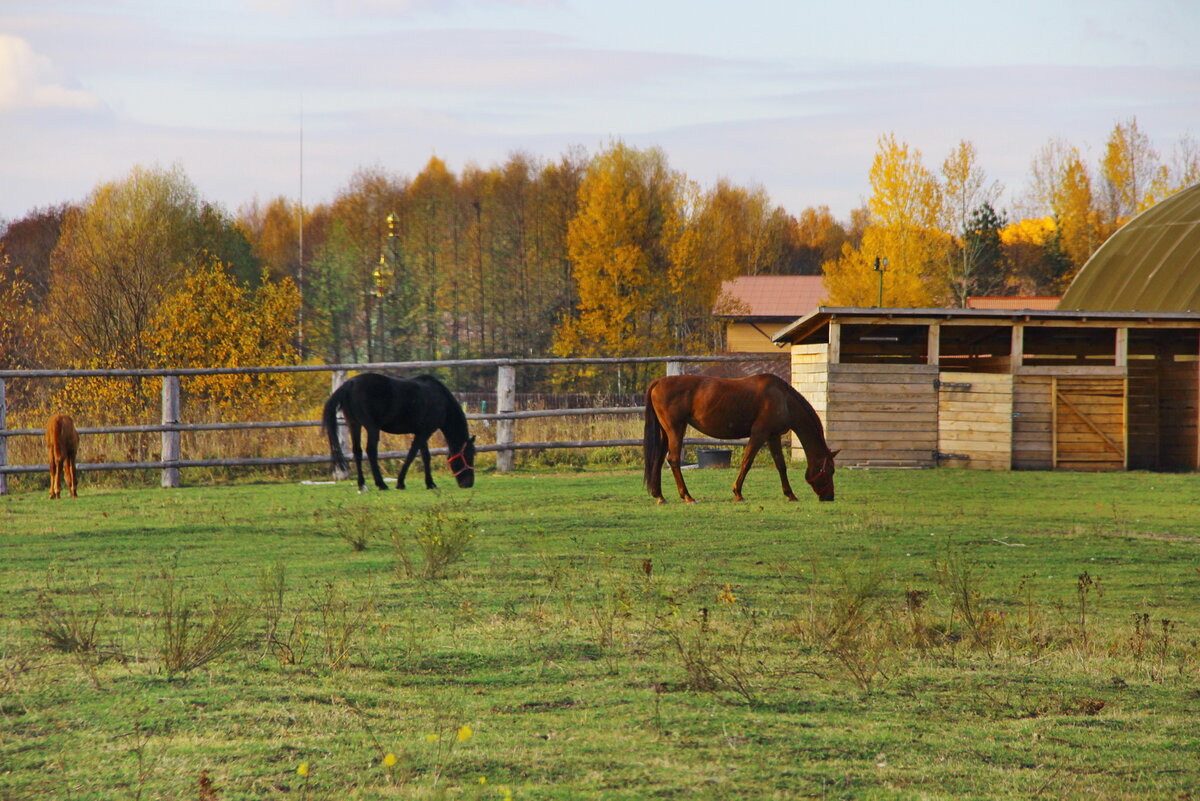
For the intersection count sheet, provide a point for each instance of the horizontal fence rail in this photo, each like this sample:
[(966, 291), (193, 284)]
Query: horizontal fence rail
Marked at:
[(505, 446)]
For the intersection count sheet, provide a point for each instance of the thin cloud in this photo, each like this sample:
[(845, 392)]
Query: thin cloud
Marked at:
[(30, 81)]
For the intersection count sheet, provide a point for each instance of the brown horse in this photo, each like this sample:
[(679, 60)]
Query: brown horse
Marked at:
[(761, 407), (62, 440)]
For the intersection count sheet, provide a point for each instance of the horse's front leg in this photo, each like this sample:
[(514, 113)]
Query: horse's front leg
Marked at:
[(675, 459), (412, 452), (373, 457), (425, 459), (752, 448), (781, 465)]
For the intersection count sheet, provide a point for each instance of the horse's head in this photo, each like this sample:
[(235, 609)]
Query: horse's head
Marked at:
[(819, 476), (462, 464)]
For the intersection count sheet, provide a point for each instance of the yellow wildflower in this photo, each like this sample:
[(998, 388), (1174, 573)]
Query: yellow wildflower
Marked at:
[(726, 596), (483, 779), (389, 760), (302, 771), (464, 734), (432, 738)]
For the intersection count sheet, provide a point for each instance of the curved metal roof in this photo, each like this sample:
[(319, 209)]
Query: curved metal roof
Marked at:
[(1151, 264)]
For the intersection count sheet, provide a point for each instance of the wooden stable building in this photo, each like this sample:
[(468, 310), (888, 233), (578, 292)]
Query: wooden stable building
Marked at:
[(1002, 389)]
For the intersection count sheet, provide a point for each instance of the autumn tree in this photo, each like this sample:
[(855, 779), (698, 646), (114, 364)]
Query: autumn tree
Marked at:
[(618, 243), (353, 301), (27, 243), (905, 213), (1061, 187), (216, 320), (1128, 168), (818, 238), (970, 218), (118, 257)]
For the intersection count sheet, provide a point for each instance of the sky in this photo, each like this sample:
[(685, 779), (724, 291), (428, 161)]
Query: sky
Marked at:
[(256, 99)]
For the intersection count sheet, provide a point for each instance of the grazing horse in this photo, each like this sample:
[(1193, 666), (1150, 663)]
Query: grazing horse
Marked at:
[(417, 406), (62, 440), (761, 407)]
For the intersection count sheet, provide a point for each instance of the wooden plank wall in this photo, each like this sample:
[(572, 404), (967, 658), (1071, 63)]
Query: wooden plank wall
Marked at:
[(975, 421), (1145, 424), (1089, 423), (1179, 393), (1033, 419), (882, 415)]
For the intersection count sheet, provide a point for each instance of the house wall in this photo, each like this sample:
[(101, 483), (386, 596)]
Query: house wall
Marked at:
[(746, 338)]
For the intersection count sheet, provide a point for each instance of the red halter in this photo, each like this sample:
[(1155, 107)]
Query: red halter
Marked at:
[(458, 471)]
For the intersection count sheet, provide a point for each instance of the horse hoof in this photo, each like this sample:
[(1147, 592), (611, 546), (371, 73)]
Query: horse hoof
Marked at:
[(660, 501), (690, 501)]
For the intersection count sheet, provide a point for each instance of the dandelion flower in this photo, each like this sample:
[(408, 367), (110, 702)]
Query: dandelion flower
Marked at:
[(432, 738), (464, 734), (302, 771), (389, 761), (483, 779)]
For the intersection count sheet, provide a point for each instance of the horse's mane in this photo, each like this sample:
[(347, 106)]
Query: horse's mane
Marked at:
[(807, 408), (455, 416)]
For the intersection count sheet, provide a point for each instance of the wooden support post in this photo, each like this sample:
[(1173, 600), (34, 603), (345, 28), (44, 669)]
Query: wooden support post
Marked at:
[(170, 439), (506, 395), (1122, 348), (3, 440), (933, 350), (1017, 355), (835, 342), (674, 368)]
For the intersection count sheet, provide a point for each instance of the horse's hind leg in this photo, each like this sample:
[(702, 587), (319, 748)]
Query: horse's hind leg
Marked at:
[(412, 452), (781, 465), (356, 447), (69, 468), (752, 448), (675, 459), (373, 457), (55, 475)]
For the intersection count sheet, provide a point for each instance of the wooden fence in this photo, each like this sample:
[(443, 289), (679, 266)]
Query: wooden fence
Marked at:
[(172, 460)]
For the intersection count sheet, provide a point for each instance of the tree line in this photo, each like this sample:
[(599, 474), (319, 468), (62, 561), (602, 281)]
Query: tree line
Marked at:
[(613, 253)]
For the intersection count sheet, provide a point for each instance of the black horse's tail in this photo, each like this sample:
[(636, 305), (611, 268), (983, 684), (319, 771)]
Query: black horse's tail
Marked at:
[(654, 442), (329, 422)]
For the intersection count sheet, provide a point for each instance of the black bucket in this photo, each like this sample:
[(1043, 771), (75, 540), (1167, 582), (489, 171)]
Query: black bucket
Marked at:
[(713, 457)]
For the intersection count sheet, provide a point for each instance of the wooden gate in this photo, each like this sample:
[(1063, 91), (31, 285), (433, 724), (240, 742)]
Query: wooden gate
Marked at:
[(1090, 426), (975, 420)]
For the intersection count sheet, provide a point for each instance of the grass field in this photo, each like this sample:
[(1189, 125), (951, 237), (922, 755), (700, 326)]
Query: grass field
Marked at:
[(931, 634)]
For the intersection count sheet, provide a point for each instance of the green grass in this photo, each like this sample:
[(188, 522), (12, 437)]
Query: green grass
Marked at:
[(601, 646)]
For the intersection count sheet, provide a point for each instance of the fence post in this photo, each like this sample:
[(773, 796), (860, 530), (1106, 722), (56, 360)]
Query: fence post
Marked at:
[(170, 439), (506, 395), (338, 378), (674, 368), (3, 441)]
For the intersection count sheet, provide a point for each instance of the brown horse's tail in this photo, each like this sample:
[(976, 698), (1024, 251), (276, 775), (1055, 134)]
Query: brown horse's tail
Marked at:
[(654, 442), (330, 423)]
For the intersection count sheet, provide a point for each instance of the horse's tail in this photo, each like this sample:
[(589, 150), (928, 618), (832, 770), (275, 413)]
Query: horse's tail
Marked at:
[(654, 441), (329, 422)]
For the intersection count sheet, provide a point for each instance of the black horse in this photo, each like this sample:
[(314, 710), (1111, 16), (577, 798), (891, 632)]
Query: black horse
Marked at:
[(417, 406)]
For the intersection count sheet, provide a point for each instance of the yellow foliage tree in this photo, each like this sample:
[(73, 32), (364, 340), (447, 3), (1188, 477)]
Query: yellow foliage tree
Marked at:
[(617, 249), (215, 321), (905, 213)]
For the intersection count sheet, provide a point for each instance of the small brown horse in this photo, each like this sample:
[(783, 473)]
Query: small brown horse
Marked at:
[(761, 407), (62, 440)]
